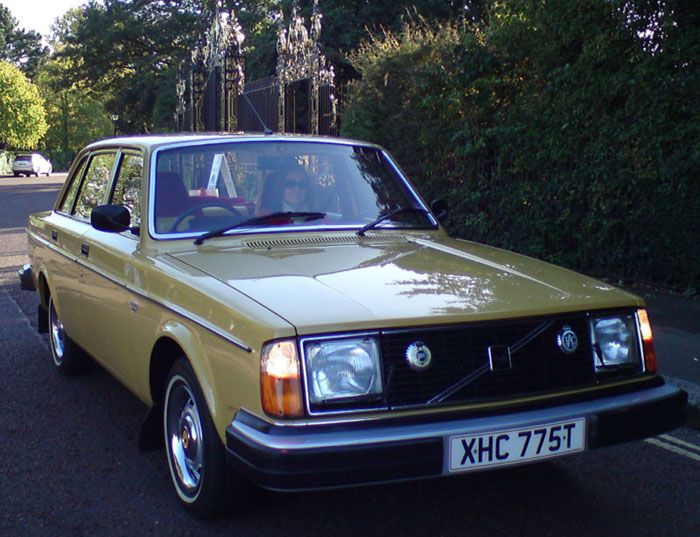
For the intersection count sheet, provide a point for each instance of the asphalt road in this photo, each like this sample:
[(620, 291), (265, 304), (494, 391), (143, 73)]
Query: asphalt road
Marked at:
[(69, 465)]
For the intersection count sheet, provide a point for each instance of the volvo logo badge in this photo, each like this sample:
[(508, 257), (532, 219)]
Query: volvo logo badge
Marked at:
[(567, 340), (418, 356)]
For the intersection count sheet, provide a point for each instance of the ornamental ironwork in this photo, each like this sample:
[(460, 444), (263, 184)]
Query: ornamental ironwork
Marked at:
[(216, 77), (299, 58), (212, 93)]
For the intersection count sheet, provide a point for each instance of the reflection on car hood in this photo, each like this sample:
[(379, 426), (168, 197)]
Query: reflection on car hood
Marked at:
[(374, 282)]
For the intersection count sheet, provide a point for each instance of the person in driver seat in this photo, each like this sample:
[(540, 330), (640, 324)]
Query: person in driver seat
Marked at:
[(287, 192)]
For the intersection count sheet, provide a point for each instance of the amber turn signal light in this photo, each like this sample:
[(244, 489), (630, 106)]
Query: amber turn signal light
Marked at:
[(647, 341), (280, 379)]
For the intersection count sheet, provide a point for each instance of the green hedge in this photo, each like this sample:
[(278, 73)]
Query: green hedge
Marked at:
[(557, 129)]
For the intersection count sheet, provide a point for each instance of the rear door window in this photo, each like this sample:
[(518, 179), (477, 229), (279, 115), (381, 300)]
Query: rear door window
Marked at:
[(94, 187)]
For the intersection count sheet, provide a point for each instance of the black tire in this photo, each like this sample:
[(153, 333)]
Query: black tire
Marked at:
[(69, 359), (196, 456)]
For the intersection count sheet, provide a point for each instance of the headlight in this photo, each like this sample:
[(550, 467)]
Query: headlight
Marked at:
[(341, 370), (615, 344)]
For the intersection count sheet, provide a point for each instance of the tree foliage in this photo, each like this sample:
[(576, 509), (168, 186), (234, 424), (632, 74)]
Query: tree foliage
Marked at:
[(20, 47), (565, 130), (75, 115), (22, 116), (130, 51)]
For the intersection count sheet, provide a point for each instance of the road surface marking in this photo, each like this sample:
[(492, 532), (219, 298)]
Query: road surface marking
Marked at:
[(667, 442), (680, 442)]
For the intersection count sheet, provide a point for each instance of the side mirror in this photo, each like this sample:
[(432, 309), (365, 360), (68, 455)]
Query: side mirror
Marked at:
[(439, 208), (111, 218)]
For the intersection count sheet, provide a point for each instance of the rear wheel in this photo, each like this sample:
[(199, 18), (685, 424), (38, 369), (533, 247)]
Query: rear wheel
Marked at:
[(68, 358), (196, 455)]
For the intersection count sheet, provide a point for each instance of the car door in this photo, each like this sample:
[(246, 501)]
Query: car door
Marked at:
[(109, 305), (64, 233), (91, 192)]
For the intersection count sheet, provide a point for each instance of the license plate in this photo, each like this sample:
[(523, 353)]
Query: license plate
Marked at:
[(469, 452)]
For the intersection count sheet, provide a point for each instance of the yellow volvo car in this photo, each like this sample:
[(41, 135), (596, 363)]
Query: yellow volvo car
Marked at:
[(295, 317)]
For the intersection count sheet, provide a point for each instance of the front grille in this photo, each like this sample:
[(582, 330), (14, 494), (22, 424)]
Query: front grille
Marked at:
[(461, 352)]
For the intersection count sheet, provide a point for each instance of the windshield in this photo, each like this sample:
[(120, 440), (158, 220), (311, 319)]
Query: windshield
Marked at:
[(204, 188)]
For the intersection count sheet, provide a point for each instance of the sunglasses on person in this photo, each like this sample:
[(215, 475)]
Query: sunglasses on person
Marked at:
[(292, 184)]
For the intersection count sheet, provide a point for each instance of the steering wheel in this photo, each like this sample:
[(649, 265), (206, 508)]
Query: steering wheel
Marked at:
[(205, 205)]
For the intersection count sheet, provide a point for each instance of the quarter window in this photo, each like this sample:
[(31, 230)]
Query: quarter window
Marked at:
[(69, 199), (92, 191)]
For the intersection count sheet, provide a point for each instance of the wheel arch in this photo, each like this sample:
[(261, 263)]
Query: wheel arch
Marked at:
[(163, 355), (174, 342), (44, 290)]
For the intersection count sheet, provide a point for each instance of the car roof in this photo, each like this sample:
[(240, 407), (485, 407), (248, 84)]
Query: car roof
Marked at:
[(152, 141)]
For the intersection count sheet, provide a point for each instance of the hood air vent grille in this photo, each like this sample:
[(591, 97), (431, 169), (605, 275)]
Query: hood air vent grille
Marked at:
[(323, 241)]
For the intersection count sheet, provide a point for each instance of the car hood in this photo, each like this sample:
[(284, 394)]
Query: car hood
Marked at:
[(344, 283)]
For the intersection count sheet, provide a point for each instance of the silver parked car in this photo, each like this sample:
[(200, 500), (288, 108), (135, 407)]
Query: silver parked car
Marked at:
[(31, 164)]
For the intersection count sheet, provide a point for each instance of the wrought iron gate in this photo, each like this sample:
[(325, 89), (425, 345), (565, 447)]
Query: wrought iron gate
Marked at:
[(212, 94)]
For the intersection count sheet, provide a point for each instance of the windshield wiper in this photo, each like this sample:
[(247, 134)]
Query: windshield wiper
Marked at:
[(388, 216), (259, 220)]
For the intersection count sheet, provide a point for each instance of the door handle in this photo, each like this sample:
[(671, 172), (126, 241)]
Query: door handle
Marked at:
[(54, 235), (85, 250)]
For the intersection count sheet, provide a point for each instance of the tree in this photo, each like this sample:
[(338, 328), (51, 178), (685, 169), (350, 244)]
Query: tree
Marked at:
[(22, 116), (19, 47), (130, 51), (75, 116)]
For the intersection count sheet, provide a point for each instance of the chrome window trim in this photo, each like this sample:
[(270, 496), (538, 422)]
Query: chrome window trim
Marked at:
[(277, 229)]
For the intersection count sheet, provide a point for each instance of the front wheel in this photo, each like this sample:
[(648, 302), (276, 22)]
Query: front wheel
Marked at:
[(196, 455), (68, 358)]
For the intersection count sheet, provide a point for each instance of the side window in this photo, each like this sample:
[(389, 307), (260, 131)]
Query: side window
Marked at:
[(127, 191), (74, 183), (94, 185)]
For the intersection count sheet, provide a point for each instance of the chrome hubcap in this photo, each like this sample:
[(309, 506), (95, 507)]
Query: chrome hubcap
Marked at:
[(184, 434)]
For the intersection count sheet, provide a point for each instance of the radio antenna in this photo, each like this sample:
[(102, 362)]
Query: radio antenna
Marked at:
[(266, 129)]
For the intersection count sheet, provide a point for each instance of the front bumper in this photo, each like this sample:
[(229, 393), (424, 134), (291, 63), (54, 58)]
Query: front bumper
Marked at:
[(373, 451)]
